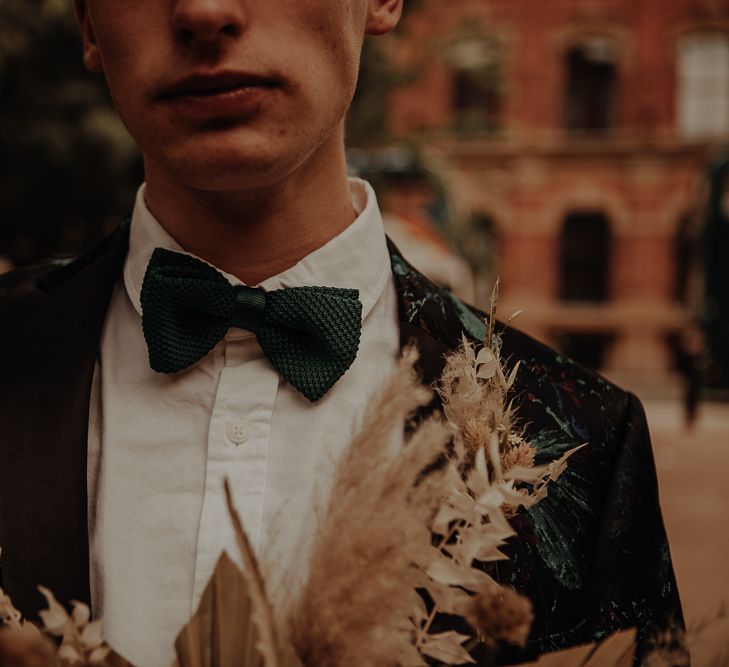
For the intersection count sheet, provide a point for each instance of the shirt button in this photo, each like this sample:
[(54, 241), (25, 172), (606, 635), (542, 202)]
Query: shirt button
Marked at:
[(237, 431)]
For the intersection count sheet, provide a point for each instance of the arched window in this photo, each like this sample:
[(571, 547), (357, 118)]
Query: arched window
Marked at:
[(476, 84), (703, 86), (590, 86), (584, 262)]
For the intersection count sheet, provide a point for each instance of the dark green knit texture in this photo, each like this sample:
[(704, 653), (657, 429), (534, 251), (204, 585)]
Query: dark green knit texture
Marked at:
[(310, 334)]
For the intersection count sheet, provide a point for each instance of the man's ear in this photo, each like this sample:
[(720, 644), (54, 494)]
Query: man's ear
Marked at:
[(92, 55), (383, 16)]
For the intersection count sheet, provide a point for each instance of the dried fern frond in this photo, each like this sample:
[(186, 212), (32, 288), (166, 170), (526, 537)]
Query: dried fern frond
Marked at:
[(82, 640), (82, 644)]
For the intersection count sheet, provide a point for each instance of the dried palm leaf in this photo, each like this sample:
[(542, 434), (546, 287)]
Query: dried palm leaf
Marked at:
[(234, 625), (221, 633), (275, 651), (617, 650)]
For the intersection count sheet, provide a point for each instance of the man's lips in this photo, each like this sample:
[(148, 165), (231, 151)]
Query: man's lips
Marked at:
[(229, 95), (207, 85)]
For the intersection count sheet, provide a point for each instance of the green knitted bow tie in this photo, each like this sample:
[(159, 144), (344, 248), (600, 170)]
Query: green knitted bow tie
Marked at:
[(310, 334)]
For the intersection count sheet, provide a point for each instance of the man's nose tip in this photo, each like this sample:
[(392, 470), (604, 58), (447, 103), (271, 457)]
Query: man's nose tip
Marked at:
[(207, 20)]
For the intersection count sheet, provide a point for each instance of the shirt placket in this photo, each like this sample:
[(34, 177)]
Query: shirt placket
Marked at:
[(237, 450)]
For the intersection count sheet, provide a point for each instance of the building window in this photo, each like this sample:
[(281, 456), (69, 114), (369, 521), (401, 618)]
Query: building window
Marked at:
[(703, 86), (585, 258), (590, 86), (476, 85), (684, 252)]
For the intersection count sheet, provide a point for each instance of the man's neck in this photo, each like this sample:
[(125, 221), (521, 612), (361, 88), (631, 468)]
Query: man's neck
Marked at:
[(256, 234)]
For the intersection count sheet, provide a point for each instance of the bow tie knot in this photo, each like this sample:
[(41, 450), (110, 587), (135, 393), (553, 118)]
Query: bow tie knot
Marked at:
[(249, 309), (310, 334)]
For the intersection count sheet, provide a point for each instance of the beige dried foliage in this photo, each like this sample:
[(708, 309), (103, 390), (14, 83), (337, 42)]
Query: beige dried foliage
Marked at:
[(519, 455), (472, 526), (491, 473), (474, 389), (82, 642)]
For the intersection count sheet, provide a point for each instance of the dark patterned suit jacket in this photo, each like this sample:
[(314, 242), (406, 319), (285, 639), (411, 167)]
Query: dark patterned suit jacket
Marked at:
[(592, 557)]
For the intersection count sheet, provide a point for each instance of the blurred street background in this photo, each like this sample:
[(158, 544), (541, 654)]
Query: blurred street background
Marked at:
[(692, 472), (577, 149)]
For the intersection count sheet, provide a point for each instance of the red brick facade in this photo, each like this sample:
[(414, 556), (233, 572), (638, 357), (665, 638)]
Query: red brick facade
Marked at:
[(527, 170)]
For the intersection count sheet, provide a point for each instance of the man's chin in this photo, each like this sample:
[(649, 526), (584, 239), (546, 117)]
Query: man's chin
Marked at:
[(228, 167)]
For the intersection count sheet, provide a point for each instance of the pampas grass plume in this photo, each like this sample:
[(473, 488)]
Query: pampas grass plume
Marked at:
[(360, 572)]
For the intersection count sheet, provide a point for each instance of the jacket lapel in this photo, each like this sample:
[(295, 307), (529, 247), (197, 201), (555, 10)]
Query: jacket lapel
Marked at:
[(54, 330), (431, 317)]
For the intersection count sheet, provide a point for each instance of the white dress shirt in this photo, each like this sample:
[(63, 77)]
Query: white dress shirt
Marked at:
[(160, 446)]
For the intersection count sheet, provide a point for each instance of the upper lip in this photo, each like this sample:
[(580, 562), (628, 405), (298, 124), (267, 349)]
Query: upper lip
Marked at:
[(216, 81)]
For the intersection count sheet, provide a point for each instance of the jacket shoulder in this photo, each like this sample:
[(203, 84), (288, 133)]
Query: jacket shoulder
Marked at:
[(600, 520), (19, 284), (545, 369), (598, 535), (545, 374)]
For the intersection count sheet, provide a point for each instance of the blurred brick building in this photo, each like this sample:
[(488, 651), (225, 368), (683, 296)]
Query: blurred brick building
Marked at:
[(574, 136)]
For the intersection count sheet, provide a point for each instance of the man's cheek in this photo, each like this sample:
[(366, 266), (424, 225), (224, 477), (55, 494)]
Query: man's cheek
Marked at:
[(332, 28)]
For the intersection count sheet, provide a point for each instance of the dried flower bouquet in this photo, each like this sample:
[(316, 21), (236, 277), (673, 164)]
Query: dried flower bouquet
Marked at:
[(406, 536)]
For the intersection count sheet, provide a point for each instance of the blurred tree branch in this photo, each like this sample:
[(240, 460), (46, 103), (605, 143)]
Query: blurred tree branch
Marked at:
[(69, 168)]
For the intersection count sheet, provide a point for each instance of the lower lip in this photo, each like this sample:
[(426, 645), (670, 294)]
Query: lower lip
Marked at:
[(244, 101)]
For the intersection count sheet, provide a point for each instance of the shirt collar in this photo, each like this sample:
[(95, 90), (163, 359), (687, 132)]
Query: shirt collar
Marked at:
[(356, 258)]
